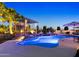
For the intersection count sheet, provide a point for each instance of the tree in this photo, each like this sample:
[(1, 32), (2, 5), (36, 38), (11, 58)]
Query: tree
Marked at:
[(66, 28), (44, 30), (48, 29), (3, 28), (5, 13), (58, 28), (51, 29), (9, 15), (37, 27)]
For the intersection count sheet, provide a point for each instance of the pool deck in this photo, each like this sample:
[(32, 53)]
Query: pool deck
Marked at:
[(67, 48), (69, 43), (10, 49)]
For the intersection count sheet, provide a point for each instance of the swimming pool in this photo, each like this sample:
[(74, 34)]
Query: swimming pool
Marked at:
[(45, 41)]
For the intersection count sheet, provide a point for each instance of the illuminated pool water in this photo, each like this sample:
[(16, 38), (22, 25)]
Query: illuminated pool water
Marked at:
[(44, 41)]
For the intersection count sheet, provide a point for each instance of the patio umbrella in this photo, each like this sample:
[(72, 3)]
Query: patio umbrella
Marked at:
[(72, 24)]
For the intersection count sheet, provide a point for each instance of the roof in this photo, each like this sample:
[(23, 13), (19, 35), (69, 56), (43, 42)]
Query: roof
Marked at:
[(29, 21)]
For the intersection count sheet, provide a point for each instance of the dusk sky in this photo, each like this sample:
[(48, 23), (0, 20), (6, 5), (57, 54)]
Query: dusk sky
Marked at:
[(50, 14)]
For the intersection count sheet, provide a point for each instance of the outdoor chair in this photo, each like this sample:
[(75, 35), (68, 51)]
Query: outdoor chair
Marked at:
[(77, 39)]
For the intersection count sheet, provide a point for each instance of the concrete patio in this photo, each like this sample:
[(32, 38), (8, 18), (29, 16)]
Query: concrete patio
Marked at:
[(11, 49)]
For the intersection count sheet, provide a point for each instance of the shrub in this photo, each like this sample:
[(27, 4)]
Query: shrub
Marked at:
[(58, 28), (66, 28), (44, 30)]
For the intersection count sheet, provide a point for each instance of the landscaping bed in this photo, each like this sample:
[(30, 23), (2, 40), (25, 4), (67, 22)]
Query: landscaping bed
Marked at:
[(5, 37)]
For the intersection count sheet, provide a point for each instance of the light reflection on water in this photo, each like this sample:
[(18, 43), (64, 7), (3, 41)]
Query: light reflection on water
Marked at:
[(45, 41)]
